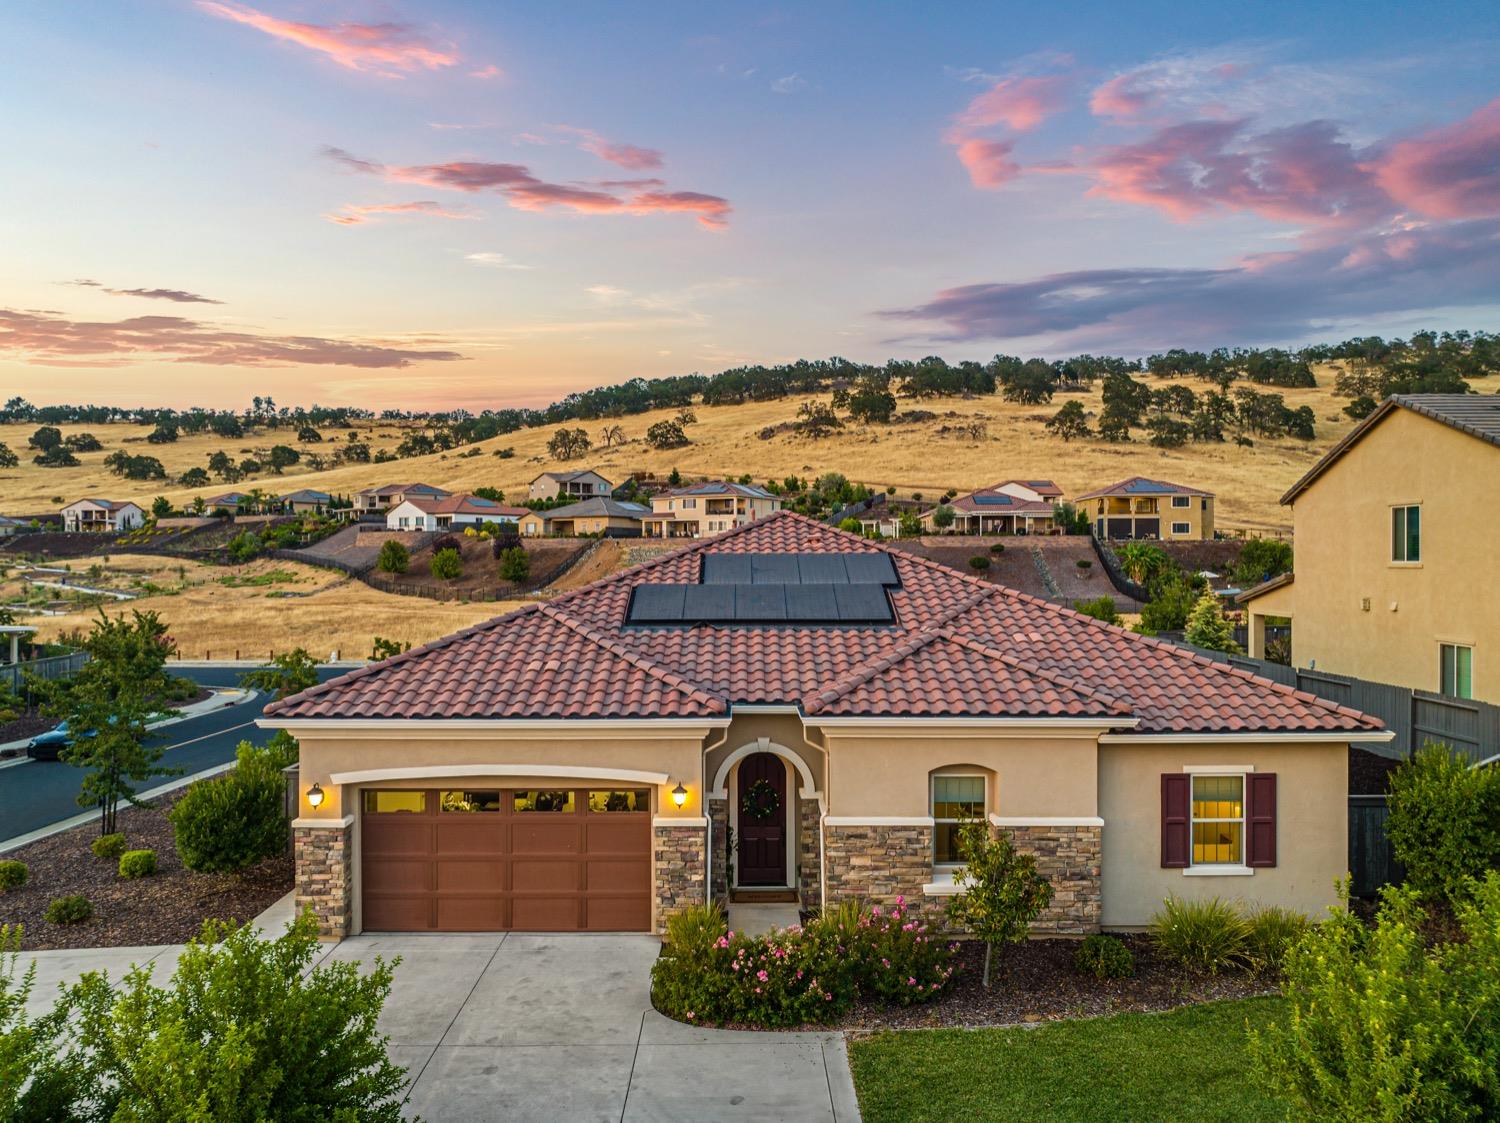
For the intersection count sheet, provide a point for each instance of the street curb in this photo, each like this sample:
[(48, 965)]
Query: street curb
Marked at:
[(196, 709)]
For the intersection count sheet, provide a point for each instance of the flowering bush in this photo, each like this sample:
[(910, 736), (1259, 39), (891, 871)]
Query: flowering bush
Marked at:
[(796, 975)]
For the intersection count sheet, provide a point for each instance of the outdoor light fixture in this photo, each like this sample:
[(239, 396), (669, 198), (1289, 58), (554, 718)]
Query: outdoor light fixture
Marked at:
[(679, 794), (315, 797)]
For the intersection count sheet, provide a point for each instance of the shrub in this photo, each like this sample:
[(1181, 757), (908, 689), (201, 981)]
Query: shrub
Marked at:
[(979, 563), (1083, 565), (138, 863), (234, 820), (1208, 935), (448, 542), (72, 909), (1104, 957), (1272, 932), (108, 846), (13, 874), (1100, 608), (997, 549), (1444, 823), (1207, 626), (1383, 1027), (515, 564), (447, 565), (394, 557), (898, 957), (1000, 891)]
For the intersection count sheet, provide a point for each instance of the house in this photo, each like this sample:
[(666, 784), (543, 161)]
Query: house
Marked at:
[(422, 513), (600, 515), (841, 705), (306, 502), (1395, 571), (1008, 507), (699, 510), (377, 500), (570, 485), (109, 515), (229, 500), (10, 527), (1151, 509)]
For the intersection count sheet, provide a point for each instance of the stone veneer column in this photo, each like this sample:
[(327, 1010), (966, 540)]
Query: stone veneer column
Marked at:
[(323, 853), (681, 867), (877, 862), (718, 814), (809, 854), (1070, 857)]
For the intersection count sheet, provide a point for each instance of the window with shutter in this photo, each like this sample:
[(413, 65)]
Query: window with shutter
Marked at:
[(1176, 796), (1261, 815)]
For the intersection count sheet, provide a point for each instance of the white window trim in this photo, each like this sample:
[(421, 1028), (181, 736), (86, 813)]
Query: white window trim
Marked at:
[(1228, 869), (1406, 535), (1183, 502), (932, 780), (1218, 871), (1443, 667), (1182, 528)]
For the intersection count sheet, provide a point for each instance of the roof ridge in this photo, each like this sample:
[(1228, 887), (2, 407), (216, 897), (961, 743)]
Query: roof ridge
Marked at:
[(636, 659), (1029, 668)]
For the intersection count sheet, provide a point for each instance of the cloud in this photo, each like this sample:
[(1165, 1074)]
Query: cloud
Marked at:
[(524, 191), (790, 84), (491, 260), (389, 49), (1269, 297), (1450, 172), (988, 162), (58, 341), (631, 157), (485, 73), (1020, 103), (177, 296), (359, 214)]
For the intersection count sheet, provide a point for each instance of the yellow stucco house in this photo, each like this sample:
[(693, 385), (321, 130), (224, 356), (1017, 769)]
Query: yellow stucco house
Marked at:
[(703, 509), (613, 518), (1150, 509), (1396, 576)]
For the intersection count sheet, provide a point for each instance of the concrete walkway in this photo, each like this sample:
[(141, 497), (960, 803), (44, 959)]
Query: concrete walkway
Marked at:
[(542, 1027)]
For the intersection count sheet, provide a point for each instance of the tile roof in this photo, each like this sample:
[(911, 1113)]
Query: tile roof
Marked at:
[(1140, 485), (721, 487), (565, 477), (959, 647), (306, 495), (401, 489), (990, 502), (597, 506), (1045, 488), (1478, 415), (466, 504)]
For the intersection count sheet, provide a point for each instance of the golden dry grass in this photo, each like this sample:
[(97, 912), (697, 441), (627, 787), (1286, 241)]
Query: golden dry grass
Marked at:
[(318, 609), (912, 458)]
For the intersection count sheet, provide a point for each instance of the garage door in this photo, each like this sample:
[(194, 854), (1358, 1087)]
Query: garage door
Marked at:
[(489, 860)]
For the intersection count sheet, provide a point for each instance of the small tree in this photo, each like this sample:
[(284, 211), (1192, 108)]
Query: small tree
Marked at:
[(1444, 821), (568, 444), (447, 565), (979, 563), (384, 648), (1070, 422), (1100, 608), (1001, 892), (515, 565), (666, 434), (289, 673), (161, 507), (394, 557), (1207, 626), (942, 518)]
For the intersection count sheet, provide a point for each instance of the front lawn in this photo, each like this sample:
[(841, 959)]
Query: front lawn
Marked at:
[(1188, 1064)]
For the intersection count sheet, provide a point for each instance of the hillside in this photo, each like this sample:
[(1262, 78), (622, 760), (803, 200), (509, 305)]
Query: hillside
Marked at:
[(726, 441)]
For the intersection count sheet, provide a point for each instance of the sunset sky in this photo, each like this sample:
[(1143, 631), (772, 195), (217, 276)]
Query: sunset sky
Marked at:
[(441, 204)]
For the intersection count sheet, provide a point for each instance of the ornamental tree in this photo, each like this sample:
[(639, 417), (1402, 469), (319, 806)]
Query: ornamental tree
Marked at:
[(1207, 626), (1001, 892), (394, 557)]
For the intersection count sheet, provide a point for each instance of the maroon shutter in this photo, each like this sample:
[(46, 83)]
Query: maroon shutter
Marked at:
[(1176, 792), (1260, 813)]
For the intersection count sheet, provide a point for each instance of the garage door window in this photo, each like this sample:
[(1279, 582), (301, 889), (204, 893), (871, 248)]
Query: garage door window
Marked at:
[(545, 801), (394, 803), (631, 800), (466, 802)]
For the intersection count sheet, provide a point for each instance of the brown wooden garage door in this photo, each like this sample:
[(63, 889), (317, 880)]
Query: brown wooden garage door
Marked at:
[(489, 860)]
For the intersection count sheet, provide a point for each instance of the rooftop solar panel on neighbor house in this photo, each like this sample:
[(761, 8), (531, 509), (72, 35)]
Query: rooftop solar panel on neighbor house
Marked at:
[(997, 500), (1146, 485)]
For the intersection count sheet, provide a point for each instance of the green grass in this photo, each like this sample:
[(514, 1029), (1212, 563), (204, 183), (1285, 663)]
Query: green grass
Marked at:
[(270, 577), (1190, 1064)]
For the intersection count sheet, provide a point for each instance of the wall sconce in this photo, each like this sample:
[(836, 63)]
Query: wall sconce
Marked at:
[(679, 794), (315, 797)]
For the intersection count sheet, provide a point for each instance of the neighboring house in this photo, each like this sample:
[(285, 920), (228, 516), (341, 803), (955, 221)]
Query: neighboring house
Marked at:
[(9, 527), (699, 510), (843, 707), (377, 500), (602, 515), (1151, 509), (1396, 555), (421, 513), (570, 485), (306, 502), (1009, 507), (102, 515), (228, 501)]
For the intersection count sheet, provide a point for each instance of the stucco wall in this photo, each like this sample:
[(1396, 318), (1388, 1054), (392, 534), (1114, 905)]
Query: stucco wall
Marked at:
[(1343, 534), (1311, 828)]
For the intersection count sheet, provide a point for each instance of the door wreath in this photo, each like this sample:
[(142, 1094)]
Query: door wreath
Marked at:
[(760, 801)]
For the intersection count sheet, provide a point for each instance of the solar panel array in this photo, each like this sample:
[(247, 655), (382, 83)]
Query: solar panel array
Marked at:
[(1150, 486), (786, 589), (995, 500), (799, 569)]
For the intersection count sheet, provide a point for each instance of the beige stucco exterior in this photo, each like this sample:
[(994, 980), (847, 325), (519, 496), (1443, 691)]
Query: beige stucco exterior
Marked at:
[(1175, 522), (1356, 612), (535, 525), (702, 516)]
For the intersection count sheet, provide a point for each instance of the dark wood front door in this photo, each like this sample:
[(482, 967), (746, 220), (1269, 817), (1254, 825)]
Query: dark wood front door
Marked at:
[(762, 837)]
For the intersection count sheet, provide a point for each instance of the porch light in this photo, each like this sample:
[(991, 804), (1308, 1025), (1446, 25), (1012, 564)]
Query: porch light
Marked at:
[(679, 794), (315, 797)]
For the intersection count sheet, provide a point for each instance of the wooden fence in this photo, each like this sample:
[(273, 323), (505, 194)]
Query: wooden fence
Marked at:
[(1372, 859)]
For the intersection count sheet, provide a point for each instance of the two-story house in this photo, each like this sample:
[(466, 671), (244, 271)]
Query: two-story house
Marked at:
[(585, 484), (379, 500), (702, 510), (1150, 509), (106, 515), (1395, 578)]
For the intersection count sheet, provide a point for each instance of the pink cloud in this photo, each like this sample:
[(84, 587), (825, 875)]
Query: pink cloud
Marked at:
[(389, 49), (1120, 97), (631, 157), (358, 214), (485, 73), (988, 162), (1450, 172), (1020, 103)]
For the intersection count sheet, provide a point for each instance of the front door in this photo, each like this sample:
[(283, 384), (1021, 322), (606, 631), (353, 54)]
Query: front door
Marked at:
[(762, 819)]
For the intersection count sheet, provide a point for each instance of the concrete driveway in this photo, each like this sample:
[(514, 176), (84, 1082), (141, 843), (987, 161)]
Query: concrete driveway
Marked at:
[(544, 1027)]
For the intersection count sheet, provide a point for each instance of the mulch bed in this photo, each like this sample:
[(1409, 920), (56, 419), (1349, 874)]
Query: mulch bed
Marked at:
[(1035, 981), (167, 908), (27, 725)]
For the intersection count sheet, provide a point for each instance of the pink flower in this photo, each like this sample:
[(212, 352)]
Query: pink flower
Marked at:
[(762, 976), (911, 982), (757, 990), (690, 1015), (900, 902)]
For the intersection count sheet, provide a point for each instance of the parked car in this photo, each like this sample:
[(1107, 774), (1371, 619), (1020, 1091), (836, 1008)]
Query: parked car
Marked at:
[(47, 746)]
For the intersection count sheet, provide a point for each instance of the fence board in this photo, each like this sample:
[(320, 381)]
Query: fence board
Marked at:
[(1372, 861)]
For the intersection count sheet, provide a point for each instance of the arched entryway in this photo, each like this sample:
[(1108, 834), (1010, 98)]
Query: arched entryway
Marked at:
[(762, 821)]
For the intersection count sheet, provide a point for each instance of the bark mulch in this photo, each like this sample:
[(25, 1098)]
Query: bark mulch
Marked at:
[(28, 725), (167, 908), (1036, 981)]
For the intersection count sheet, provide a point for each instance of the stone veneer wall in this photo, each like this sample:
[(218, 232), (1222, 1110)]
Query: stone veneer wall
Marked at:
[(809, 853), (325, 875), (681, 867), (1069, 857), (877, 862), (718, 814)]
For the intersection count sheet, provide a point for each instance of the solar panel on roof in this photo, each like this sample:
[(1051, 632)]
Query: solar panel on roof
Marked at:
[(759, 603), (994, 500), (871, 569), (773, 569), (863, 604), (713, 603), (1144, 485), (809, 602), (726, 569), (657, 603), (821, 569)]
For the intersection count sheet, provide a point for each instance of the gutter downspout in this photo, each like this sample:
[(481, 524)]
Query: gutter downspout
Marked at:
[(822, 814), (708, 831)]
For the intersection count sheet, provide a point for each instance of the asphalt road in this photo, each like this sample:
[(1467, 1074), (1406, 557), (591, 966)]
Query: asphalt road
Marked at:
[(41, 792)]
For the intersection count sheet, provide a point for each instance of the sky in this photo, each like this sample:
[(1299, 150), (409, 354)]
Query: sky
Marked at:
[(441, 204)]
